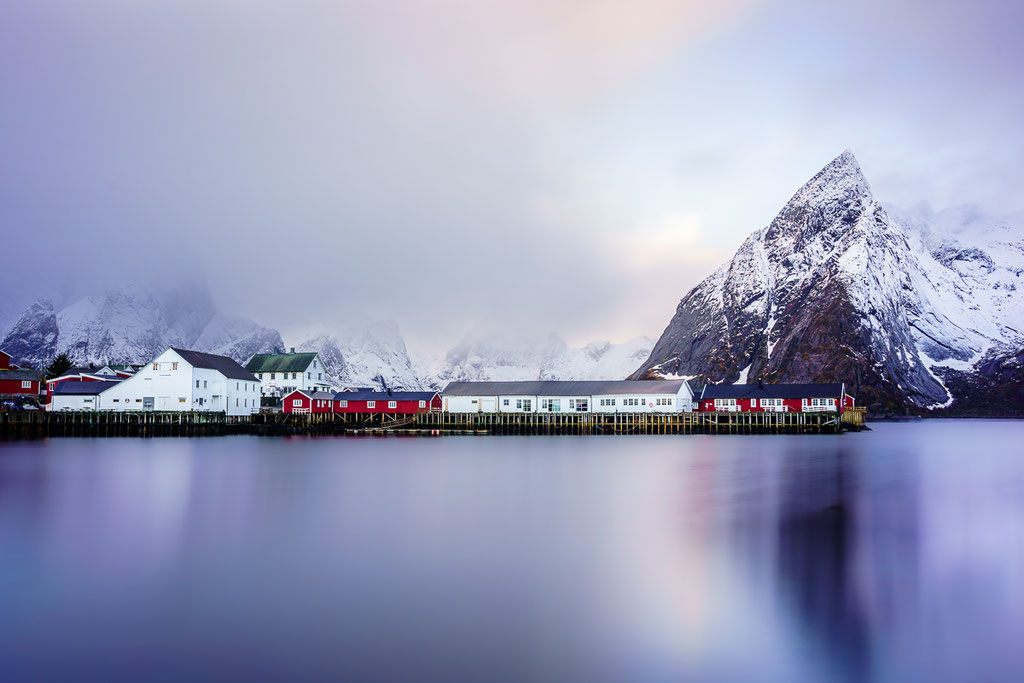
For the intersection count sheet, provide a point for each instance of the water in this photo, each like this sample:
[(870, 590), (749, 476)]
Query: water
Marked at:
[(891, 555)]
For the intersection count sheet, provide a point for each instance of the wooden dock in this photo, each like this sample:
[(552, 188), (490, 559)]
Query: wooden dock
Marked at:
[(29, 425)]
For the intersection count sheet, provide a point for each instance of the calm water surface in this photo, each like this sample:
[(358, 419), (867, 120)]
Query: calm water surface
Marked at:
[(891, 555)]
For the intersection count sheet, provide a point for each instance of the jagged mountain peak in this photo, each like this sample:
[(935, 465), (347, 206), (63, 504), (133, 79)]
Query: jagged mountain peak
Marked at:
[(835, 289)]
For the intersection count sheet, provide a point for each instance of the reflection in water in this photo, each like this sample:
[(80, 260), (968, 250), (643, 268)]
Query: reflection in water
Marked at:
[(817, 563), (882, 556)]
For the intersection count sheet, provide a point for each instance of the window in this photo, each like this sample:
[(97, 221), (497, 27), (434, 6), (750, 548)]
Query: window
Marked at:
[(725, 402), (309, 375), (504, 402), (117, 400), (607, 402), (551, 405), (261, 375), (320, 375), (205, 384), (423, 404), (519, 403), (197, 384), (392, 404), (343, 404), (174, 366), (26, 384), (272, 375), (294, 374), (181, 399), (371, 404), (296, 401), (156, 366), (527, 405)]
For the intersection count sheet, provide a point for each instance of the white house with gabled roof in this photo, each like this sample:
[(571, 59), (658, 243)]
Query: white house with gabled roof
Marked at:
[(283, 373), (184, 380)]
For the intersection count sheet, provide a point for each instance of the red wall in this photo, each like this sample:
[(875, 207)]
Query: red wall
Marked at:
[(13, 386), (401, 408), (287, 404), (794, 405)]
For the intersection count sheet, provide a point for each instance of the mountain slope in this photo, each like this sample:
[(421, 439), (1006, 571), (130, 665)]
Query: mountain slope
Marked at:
[(492, 356), (133, 324), (835, 288), (359, 354)]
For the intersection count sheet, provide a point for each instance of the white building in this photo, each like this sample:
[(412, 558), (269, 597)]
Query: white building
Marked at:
[(283, 373), (622, 396), (184, 380), (79, 395)]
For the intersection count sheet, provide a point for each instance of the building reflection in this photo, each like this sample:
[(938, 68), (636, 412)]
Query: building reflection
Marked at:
[(817, 560)]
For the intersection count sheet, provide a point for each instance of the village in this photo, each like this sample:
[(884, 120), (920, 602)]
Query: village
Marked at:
[(293, 388)]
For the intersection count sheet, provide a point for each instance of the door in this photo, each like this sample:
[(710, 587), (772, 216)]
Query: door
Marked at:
[(487, 405), (147, 403)]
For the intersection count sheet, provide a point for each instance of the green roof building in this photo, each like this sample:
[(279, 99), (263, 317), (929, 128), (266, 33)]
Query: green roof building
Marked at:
[(282, 373)]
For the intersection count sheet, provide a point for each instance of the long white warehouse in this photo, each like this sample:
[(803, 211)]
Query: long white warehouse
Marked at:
[(621, 396), (179, 379)]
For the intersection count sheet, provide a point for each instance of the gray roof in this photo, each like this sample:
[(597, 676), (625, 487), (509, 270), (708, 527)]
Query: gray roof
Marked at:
[(318, 395), (567, 388), (82, 388), (829, 390), (371, 395), (222, 364), (19, 374)]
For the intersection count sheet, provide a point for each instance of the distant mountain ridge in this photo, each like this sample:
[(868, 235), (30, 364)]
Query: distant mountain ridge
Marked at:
[(133, 324), (492, 356), (836, 288)]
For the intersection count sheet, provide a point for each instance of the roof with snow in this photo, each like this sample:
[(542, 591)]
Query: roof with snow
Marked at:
[(832, 389), (567, 388), (82, 388), (384, 396), (222, 364), (280, 362)]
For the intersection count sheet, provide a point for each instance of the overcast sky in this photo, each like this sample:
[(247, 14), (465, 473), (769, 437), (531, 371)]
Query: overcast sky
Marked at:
[(573, 166)]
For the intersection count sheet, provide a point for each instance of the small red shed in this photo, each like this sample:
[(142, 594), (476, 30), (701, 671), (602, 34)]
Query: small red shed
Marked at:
[(304, 402), (5, 360), (389, 402), (19, 383)]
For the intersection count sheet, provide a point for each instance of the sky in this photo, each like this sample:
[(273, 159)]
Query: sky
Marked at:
[(572, 166)]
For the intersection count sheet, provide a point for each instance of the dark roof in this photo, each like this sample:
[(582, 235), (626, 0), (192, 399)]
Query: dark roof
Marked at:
[(83, 388), (832, 389), (222, 364), (280, 362), (384, 396), (568, 388), (312, 394), (19, 374)]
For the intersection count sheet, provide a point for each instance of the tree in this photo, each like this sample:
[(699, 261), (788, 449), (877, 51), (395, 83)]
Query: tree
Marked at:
[(58, 366)]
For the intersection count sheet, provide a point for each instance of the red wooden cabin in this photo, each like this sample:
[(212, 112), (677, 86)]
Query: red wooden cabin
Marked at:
[(19, 383), (391, 403), (774, 398), (304, 401)]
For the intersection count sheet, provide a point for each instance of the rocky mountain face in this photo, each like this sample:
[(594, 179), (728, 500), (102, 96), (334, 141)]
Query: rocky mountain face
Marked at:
[(907, 309), (363, 354), (133, 324), (483, 356)]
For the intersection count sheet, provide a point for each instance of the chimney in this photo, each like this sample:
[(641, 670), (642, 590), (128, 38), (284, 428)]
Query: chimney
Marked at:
[(760, 382)]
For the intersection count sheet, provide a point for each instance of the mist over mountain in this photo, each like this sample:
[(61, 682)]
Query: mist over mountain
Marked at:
[(908, 307)]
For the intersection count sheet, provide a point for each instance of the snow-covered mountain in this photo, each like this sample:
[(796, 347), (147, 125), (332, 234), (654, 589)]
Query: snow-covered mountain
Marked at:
[(358, 354), (133, 324), (838, 288), (491, 356)]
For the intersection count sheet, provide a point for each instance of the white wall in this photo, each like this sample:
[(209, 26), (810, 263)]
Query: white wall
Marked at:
[(175, 389), (681, 402), (311, 379), (60, 402)]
